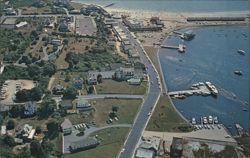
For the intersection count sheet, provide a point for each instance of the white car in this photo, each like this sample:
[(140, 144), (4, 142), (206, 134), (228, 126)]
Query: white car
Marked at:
[(149, 113)]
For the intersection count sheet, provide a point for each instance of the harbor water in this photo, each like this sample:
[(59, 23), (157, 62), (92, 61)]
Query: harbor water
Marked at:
[(176, 5), (211, 56)]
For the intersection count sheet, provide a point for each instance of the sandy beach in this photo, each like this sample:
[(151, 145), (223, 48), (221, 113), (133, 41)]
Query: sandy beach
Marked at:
[(142, 14)]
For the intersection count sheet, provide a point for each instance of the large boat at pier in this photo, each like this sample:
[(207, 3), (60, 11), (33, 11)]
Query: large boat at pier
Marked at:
[(212, 88)]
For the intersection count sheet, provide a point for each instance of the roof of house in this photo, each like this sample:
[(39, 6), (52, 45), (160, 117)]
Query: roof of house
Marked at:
[(151, 143), (83, 143), (177, 143), (66, 124), (21, 24), (66, 103), (144, 153)]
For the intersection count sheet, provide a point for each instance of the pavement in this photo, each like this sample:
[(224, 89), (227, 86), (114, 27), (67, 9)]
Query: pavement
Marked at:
[(219, 134), (150, 99), (120, 96)]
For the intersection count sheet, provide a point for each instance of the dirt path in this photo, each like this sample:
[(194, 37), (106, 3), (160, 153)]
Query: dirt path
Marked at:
[(51, 81)]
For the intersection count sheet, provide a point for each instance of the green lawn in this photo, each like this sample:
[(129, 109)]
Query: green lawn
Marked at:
[(165, 118), (127, 110), (58, 143), (111, 86), (111, 142)]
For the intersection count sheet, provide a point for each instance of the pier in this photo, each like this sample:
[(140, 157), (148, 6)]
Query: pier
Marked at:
[(181, 47), (196, 89)]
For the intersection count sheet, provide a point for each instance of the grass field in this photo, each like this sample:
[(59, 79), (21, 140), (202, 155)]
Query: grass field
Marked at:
[(165, 118), (111, 141), (58, 143), (127, 110), (111, 86)]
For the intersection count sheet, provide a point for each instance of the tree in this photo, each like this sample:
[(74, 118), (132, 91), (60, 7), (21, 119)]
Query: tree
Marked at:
[(35, 94), (15, 111), (10, 125), (25, 153), (21, 96), (99, 78), (91, 89), (36, 149), (70, 93), (34, 71), (38, 130), (47, 108), (1, 119), (115, 108), (112, 115), (49, 69), (52, 127), (9, 140)]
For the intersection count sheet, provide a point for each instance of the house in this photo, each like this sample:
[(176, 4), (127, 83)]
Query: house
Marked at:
[(66, 104), (1, 67), (63, 26), (84, 144), (30, 108), (27, 133), (66, 127), (148, 147), (56, 42), (176, 147), (123, 74), (83, 105), (78, 83), (144, 153), (92, 81), (21, 24), (58, 89), (134, 81), (92, 76), (3, 130)]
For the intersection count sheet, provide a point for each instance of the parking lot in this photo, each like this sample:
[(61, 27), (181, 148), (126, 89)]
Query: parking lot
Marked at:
[(85, 26), (10, 87), (218, 132)]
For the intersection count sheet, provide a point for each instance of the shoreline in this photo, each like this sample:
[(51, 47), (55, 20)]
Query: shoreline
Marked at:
[(187, 27), (161, 72)]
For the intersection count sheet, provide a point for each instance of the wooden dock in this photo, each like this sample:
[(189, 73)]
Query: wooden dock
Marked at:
[(180, 47), (202, 90)]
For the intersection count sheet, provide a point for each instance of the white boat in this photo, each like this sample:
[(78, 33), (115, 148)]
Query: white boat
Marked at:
[(193, 121), (212, 88), (205, 120), (210, 119), (215, 120), (242, 52)]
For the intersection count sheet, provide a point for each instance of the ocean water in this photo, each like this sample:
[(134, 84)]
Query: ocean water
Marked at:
[(176, 5), (211, 56)]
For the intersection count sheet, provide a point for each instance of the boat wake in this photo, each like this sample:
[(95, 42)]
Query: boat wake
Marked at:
[(233, 97)]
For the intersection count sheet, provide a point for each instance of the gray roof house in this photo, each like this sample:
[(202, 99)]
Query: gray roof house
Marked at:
[(66, 127), (84, 144), (63, 26), (83, 105), (30, 108)]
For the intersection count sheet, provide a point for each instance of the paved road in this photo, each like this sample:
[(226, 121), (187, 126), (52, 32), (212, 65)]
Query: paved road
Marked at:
[(149, 100), (120, 96)]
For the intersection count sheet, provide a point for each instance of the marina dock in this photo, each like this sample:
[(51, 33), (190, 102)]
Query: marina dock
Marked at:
[(181, 47), (196, 89)]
